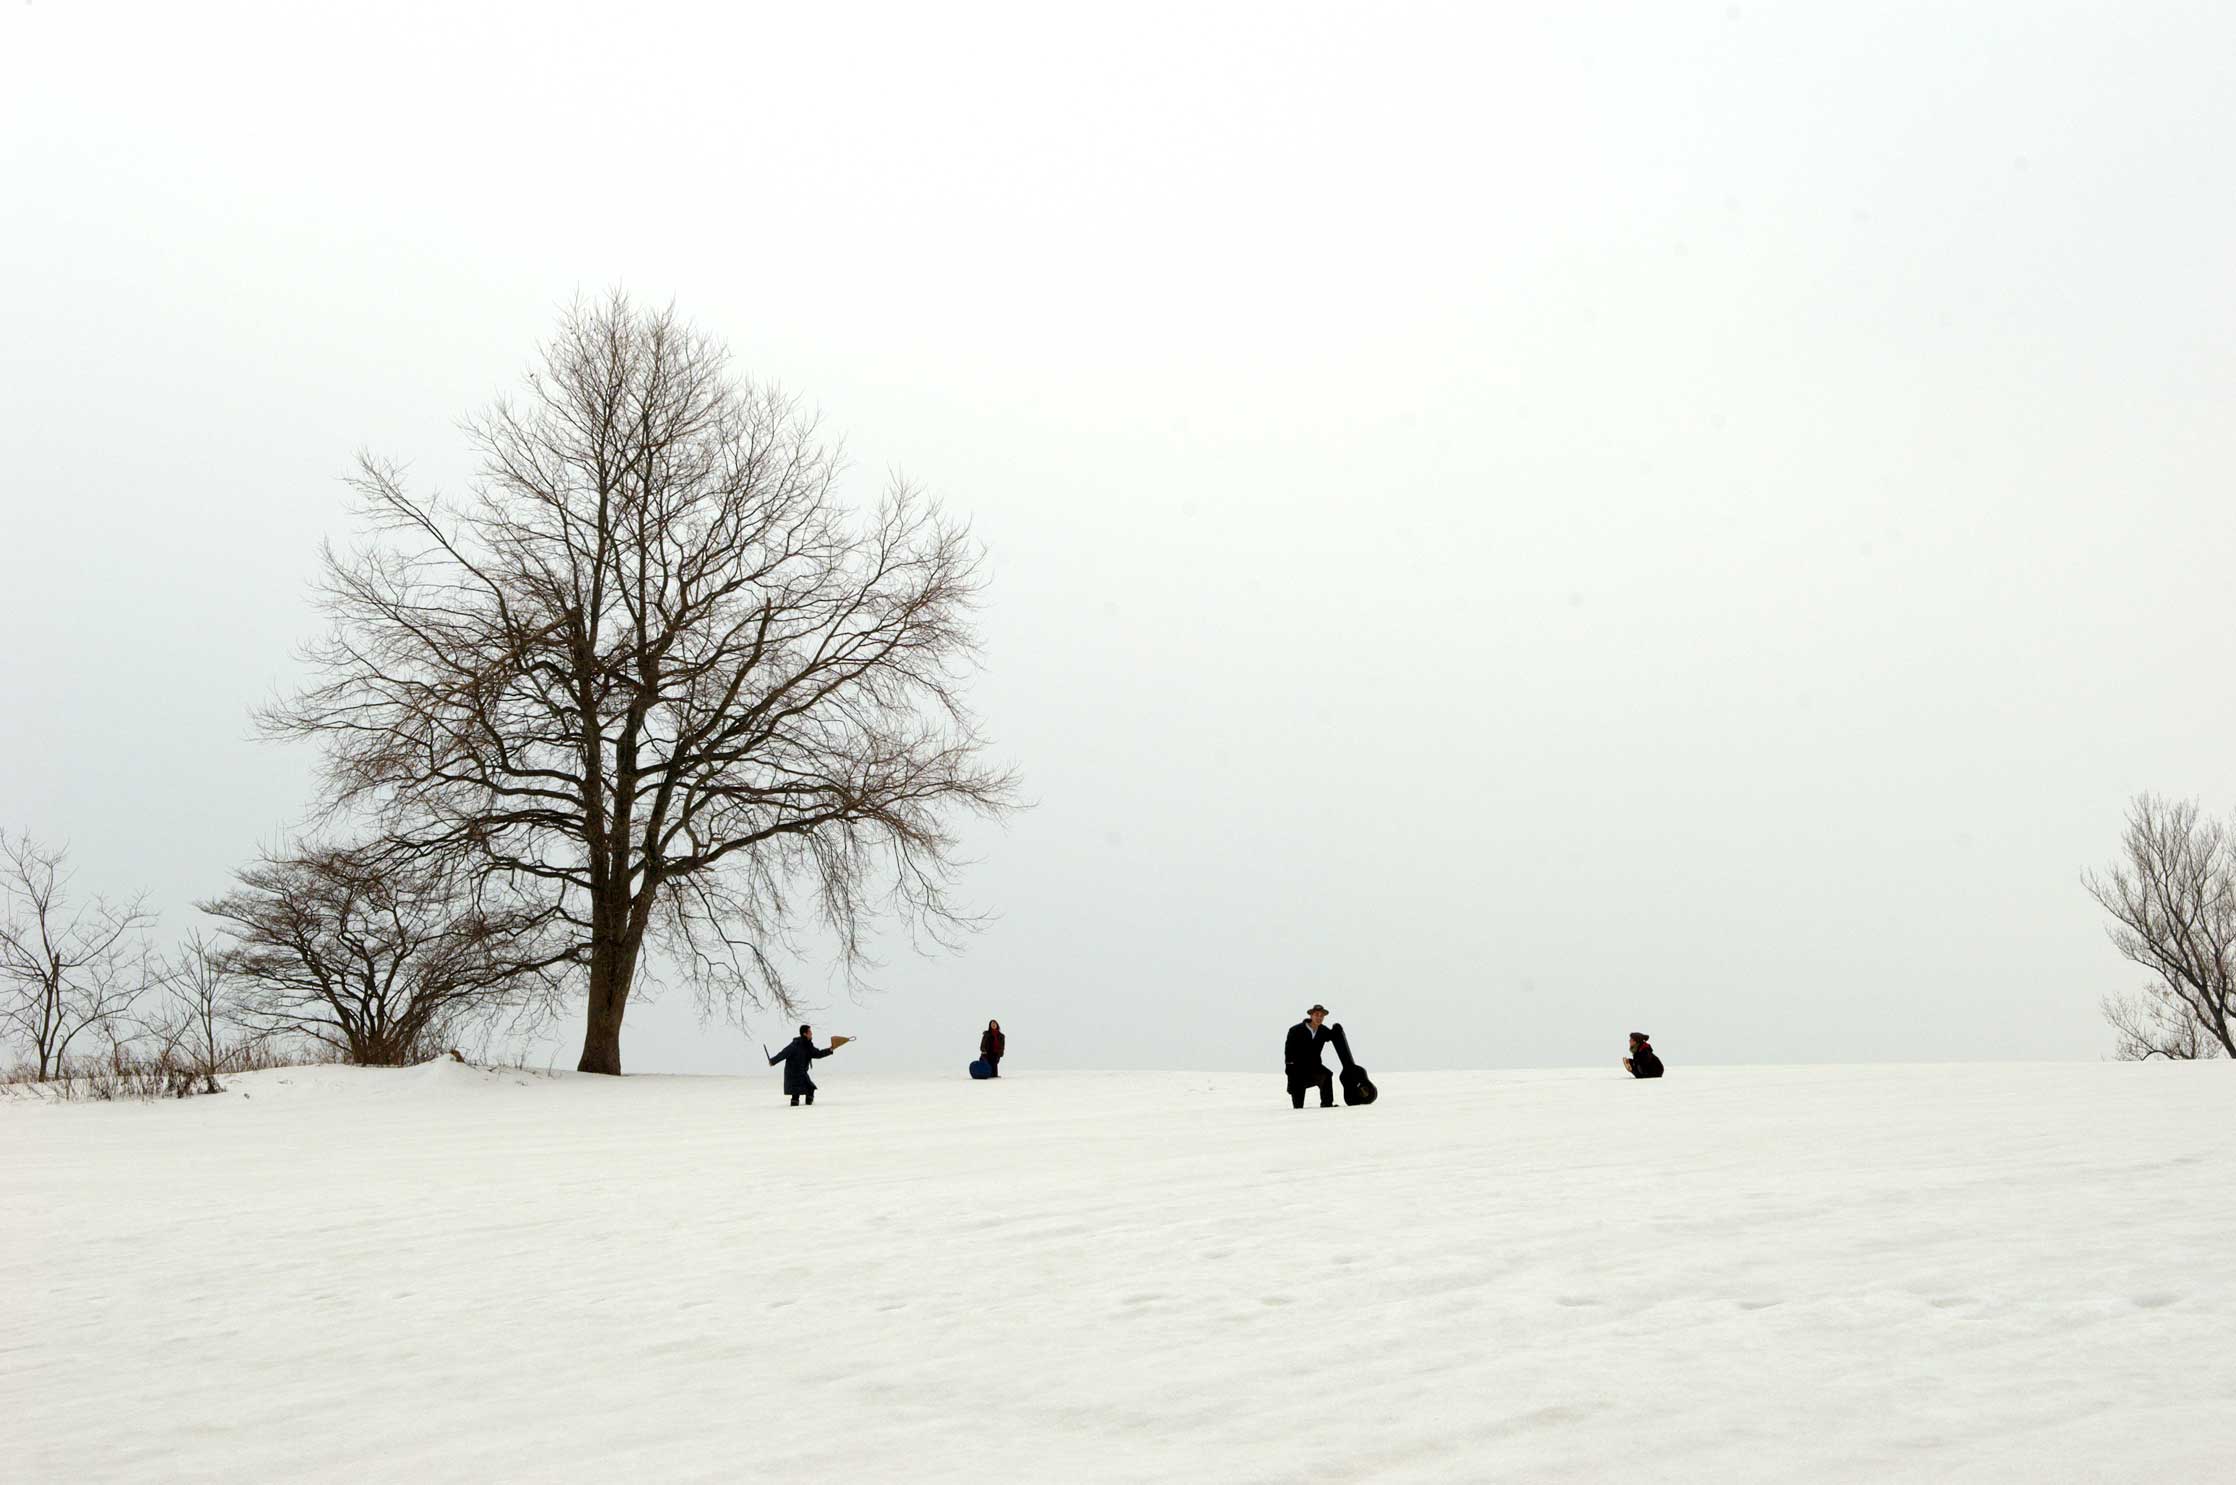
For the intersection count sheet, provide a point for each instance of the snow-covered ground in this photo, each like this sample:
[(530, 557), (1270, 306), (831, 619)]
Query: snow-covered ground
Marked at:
[(2013, 1272)]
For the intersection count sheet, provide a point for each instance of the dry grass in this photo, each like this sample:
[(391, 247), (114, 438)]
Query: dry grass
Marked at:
[(123, 1071)]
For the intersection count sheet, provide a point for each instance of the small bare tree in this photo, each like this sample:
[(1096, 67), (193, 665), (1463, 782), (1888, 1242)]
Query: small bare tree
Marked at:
[(2172, 898), (66, 968), (382, 961), (654, 664), (201, 995)]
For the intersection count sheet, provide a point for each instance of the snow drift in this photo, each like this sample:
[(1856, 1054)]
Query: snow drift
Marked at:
[(1838, 1274)]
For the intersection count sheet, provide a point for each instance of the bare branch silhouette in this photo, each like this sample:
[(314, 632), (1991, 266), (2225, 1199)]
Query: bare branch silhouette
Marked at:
[(66, 968), (380, 958), (2172, 898)]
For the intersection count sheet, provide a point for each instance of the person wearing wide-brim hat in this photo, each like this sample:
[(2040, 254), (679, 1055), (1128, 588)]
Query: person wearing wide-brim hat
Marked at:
[(1300, 1059)]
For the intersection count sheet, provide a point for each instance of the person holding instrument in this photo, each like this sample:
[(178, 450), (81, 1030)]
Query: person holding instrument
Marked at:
[(797, 1054)]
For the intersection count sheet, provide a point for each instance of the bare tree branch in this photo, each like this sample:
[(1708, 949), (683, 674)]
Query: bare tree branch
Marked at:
[(2172, 898), (202, 995), (381, 959)]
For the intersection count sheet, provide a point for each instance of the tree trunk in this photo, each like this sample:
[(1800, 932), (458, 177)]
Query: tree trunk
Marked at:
[(601, 1039), (609, 995)]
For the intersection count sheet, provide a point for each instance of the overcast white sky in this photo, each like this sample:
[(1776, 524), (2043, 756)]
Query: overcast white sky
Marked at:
[(1522, 522)]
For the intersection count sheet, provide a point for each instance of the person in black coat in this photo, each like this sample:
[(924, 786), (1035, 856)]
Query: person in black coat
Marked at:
[(797, 1054), (1300, 1058), (1642, 1063), (991, 1046)]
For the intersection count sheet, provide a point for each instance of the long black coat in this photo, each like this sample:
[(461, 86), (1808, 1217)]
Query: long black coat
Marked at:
[(1300, 1055), (797, 1054), (991, 1045), (1643, 1062)]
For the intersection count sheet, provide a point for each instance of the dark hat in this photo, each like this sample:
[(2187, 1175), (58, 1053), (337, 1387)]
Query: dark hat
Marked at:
[(1640, 1036), (1323, 1010)]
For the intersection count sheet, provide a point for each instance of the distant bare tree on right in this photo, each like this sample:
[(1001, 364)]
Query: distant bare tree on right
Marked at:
[(2172, 897)]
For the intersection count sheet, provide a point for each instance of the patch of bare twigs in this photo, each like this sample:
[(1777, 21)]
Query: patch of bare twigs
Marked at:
[(126, 1071)]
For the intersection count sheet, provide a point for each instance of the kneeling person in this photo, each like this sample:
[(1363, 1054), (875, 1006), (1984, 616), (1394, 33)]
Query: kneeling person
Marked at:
[(1642, 1063)]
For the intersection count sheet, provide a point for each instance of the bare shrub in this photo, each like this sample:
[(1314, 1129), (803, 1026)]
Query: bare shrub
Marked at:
[(121, 1071), (384, 960), (2172, 897), (135, 1069), (200, 993)]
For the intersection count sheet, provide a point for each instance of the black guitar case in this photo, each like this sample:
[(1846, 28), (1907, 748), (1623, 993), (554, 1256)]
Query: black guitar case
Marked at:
[(1357, 1086)]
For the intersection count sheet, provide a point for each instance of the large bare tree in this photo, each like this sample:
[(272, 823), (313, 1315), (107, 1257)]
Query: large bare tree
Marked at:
[(653, 662), (67, 966), (378, 957), (2172, 897)]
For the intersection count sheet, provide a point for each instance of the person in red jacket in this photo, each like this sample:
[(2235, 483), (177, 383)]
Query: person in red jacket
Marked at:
[(991, 1046)]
